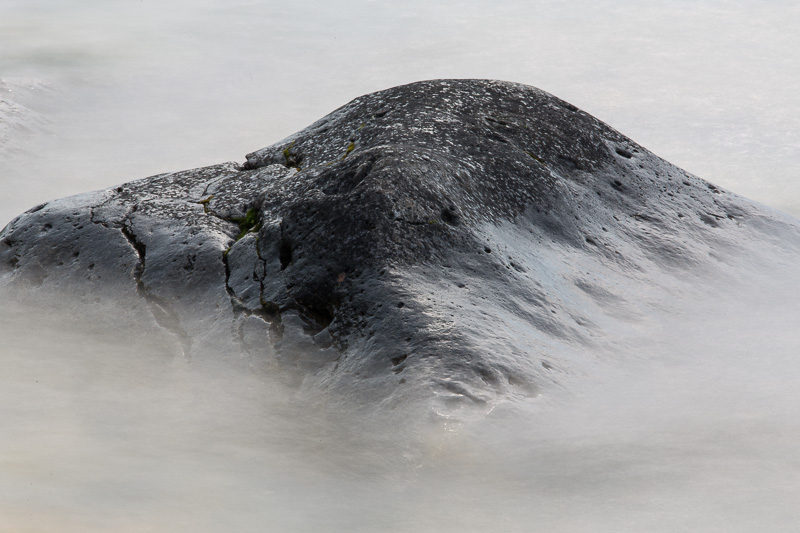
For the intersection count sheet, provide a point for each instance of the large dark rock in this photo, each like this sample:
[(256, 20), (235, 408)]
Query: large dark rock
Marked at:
[(462, 238)]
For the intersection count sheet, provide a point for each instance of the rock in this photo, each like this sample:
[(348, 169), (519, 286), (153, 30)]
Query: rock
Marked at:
[(465, 239)]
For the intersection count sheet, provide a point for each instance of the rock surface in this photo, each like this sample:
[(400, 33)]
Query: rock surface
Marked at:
[(465, 239)]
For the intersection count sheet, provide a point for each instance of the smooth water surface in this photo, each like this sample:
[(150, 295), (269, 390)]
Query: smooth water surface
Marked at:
[(689, 424), (94, 93)]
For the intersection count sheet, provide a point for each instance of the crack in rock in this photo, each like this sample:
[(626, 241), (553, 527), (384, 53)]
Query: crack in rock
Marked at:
[(163, 313)]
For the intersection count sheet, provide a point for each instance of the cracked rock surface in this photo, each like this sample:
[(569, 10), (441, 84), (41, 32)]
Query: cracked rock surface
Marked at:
[(466, 240)]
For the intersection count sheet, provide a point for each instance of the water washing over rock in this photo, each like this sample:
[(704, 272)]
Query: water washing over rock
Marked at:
[(463, 240)]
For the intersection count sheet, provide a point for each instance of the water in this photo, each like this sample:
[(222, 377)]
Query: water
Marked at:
[(131, 89), (690, 424)]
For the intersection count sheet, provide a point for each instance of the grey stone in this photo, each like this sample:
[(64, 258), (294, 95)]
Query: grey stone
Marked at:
[(445, 237)]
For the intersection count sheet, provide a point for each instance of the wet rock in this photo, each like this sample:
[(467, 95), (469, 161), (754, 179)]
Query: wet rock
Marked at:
[(513, 228)]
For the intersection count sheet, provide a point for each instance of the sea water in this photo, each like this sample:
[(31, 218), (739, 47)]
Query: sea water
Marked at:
[(691, 425), (97, 92), (689, 422)]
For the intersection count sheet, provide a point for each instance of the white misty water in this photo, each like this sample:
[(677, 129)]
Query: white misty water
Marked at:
[(133, 88), (690, 424)]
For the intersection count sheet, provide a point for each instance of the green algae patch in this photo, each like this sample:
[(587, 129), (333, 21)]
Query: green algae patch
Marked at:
[(205, 203), (249, 222), (291, 159)]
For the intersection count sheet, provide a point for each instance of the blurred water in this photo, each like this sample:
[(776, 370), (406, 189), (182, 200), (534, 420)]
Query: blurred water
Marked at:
[(136, 88), (691, 426), (688, 424)]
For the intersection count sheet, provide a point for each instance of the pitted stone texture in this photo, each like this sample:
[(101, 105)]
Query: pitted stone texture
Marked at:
[(466, 239)]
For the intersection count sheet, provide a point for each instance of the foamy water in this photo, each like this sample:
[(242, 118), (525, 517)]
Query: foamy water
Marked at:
[(690, 424)]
